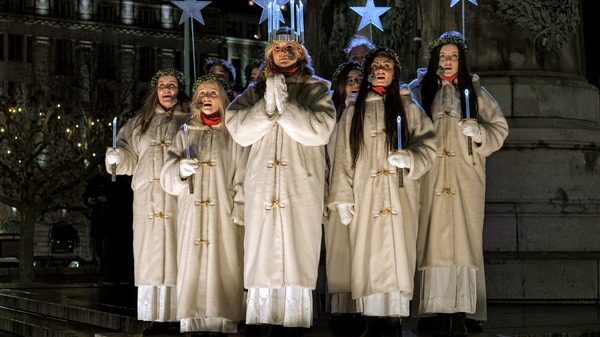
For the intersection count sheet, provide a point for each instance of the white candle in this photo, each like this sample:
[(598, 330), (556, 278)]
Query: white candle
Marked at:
[(292, 14), (270, 23), (399, 122), (467, 103), (301, 20)]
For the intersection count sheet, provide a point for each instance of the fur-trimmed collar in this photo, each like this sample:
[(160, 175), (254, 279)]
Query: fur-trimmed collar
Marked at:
[(311, 80), (176, 111), (404, 91), (195, 123)]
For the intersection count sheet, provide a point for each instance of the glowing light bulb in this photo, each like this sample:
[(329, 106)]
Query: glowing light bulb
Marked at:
[(68, 130), (58, 105), (58, 117), (92, 123), (78, 144), (77, 125)]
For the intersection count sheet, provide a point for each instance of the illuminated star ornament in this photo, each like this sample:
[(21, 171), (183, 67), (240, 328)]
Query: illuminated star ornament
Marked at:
[(264, 4), (370, 14), (191, 8), (454, 2)]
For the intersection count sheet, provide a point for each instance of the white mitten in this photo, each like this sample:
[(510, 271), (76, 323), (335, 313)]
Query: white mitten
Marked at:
[(270, 104), (470, 128), (113, 155), (400, 159), (187, 167), (281, 93), (346, 211)]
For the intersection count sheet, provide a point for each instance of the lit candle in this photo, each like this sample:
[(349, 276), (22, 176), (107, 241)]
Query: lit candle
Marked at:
[(399, 122), (292, 14), (276, 16), (270, 23), (301, 20), (467, 103)]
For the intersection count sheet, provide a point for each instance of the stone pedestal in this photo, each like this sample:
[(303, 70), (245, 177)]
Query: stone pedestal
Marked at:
[(542, 206)]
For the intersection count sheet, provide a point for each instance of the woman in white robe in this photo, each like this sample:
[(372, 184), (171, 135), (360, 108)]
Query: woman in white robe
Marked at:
[(381, 213), (209, 243), (450, 253), (142, 145), (287, 116)]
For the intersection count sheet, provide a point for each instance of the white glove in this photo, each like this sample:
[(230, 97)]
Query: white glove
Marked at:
[(113, 155), (346, 211), (400, 159), (470, 128), (187, 167), (270, 104), (281, 92)]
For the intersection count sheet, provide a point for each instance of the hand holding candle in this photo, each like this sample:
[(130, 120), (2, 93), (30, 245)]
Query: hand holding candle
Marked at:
[(468, 114), (400, 169)]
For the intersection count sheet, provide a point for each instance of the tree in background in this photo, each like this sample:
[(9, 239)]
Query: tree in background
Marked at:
[(52, 136)]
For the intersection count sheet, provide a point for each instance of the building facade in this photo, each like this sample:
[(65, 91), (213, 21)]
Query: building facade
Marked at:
[(117, 46)]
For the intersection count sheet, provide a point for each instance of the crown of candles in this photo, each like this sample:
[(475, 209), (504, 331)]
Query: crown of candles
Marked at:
[(297, 22)]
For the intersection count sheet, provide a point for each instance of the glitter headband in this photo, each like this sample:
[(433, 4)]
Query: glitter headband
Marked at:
[(168, 72), (371, 55), (344, 66), (214, 78), (453, 37)]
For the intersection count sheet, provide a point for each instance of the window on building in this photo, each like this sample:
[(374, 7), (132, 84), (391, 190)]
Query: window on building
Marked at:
[(178, 60), (64, 8), (1, 47), (63, 58), (234, 28), (147, 18), (146, 62), (107, 62), (29, 49), (237, 65), (14, 5), (15, 47), (12, 89), (107, 12), (253, 31)]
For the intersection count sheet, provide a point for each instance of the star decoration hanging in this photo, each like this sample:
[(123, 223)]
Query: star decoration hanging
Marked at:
[(370, 14), (264, 4), (191, 8), (454, 2)]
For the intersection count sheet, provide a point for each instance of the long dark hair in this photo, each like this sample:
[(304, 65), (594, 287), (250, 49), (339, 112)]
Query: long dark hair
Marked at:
[(148, 110), (338, 86), (393, 108), (431, 83)]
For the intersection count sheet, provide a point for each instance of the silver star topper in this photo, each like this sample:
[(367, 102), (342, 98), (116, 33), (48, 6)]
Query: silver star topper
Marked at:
[(264, 4), (370, 14), (454, 2), (191, 8)]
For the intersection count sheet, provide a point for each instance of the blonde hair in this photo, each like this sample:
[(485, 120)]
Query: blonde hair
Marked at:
[(223, 99), (304, 62)]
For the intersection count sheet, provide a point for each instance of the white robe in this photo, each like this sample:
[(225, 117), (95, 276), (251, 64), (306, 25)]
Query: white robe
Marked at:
[(154, 211), (283, 186), (209, 250), (384, 226)]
